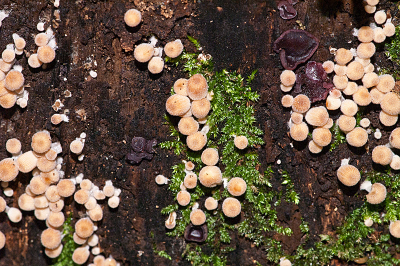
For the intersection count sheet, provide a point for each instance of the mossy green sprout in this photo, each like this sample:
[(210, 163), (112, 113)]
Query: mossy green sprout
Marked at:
[(392, 51), (338, 137), (65, 258)]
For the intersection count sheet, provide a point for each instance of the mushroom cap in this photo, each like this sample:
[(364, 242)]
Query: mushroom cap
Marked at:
[(389, 29), (65, 188), (46, 54), (288, 78), (365, 34), (362, 97), (346, 123), (13, 146), (210, 156), (236, 186), (366, 50), (84, 227), (210, 176), (340, 70), (349, 107), (201, 108), (301, 103), (34, 62), (91, 203), (387, 120), (41, 39), (86, 184), (197, 87), (19, 43), (156, 65), (51, 238), (173, 49), (132, 17), (287, 100), (8, 55), (317, 116), (314, 147), (394, 229), (2, 240), (27, 162), (37, 186), (211, 203), (52, 194), (377, 194), (81, 255), (42, 213), (343, 56), (322, 136), (177, 105), (56, 206), (26, 202), (299, 132), (379, 35), (183, 198), (180, 86), (190, 181), (81, 196), (231, 207), (76, 146), (391, 103), (285, 88), (197, 217), (56, 219), (340, 82), (380, 17), (376, 96), (53, 253), (14, 80), (196, 141), (394, 138), (41, 202), (296, 118), (348, 175), (45, 165), (189, 166), (370, 80), (357, 137), (50, 177), (109, 190), (143, 52), (96, 214), (41, 142), (351, 88), (3, 204), (8, 170), (328, 66), (382, 155), (241, 142), (355, 70), (386, 83), (14, 215)]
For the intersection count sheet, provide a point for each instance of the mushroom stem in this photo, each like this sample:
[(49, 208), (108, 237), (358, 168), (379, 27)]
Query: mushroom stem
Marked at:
[(366, 185), (345, 161)]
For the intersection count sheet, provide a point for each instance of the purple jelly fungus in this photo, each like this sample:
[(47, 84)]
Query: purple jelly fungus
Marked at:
[(313, 81), (295, 47), (141, 149), (194, 233), (286, 10)]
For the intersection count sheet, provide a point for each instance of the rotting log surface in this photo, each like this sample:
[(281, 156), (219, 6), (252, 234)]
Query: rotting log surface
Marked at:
[(125, 101)]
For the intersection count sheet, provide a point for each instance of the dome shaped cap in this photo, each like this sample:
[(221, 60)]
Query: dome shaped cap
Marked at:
[(370, 80), (376, 96), (65, 188), (26, 162), (386, 83), (287, 100), (348, 175), (8, 170), (314, 147), (394, 229), (84, 228), (41, 142), (13, 146), (143, 52), (380, 17), (34, 62), (46, 54), (328, 66), (53, 253), (365, 34), (45, 165), (177, 105), (211, 204), (299, 132), (197, 87), (301, 103), (391, 103), (296, 118), (196, 141), (355, 70), (236, 186), (343, 56), (183, 197), (190, 181), (351, 88), (387, 120), (41, 39), (81, 196), (210, 176), (180, 86), (241, 142), (14, 80), (349, 107), (231, 207), (317, 116), (358, 137), (26, 202), (201, 108), (52, 194), (382, 155), (362, 96), (322, 136), (197, 217), (366, 50), (346, 123), (56, 219), (51, 238), (288, 78), (132, 17), (394, 138), (81, 255), (173, 49), (96, 214), (379, 35), (210, 156), (389, 29), (37, 186), (377, 194), (156, 65)]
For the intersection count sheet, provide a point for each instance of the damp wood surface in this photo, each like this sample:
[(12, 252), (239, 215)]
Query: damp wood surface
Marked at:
[(125, 101)]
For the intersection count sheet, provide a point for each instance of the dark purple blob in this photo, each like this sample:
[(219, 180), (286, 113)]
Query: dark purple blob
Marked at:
[(195, 233), (295, 47), (141, 149), (286, 10), (313, 81)]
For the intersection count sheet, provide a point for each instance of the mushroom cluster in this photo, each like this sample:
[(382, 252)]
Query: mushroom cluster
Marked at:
[(46, 51)]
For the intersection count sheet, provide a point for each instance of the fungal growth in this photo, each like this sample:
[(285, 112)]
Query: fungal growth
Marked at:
[(295, 47), (141, 149)]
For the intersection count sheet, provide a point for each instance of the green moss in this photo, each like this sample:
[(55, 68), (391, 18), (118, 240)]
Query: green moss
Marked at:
[(392, 51), (65, 258), (338, 137)]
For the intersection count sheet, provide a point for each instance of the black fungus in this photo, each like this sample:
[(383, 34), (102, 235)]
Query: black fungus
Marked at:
[(295, 47), (195, 233), (313, 81), (141, 149), (286, 10)]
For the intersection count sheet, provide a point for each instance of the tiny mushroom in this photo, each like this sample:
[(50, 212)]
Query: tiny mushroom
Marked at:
[(377, 194)]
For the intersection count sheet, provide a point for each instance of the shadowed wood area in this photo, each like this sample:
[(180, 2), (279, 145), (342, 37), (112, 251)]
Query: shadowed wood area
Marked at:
[(125, 101)]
